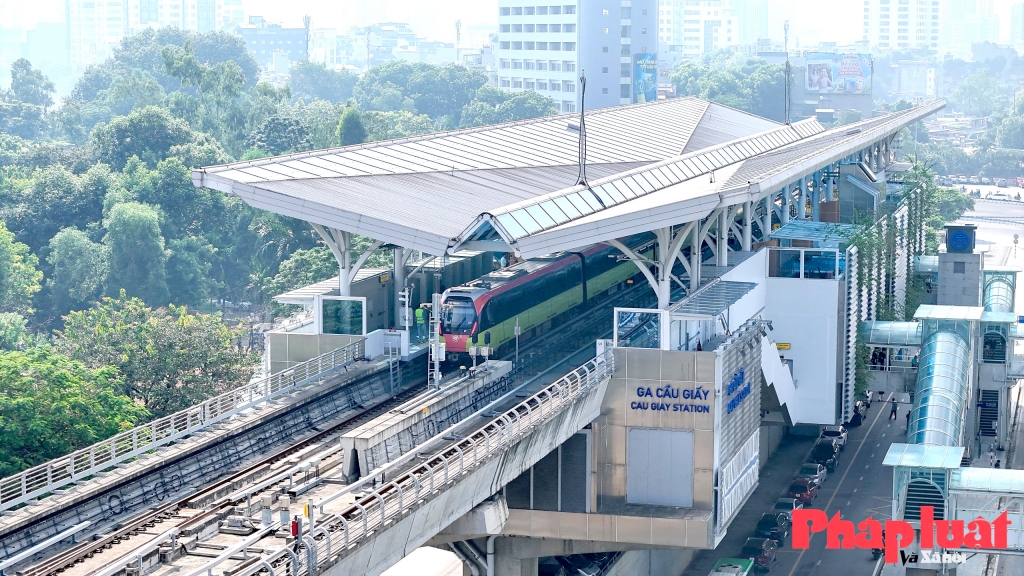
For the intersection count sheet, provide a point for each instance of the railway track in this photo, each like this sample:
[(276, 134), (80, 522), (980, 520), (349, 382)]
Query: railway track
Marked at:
[(535, 354)]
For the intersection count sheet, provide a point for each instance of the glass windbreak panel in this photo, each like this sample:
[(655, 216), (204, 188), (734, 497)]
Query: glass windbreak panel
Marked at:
[(648, 184), (728, 153), (667, 175), (685, 168), (605, 198), (784, 263), (717, 155), (677, 172), (567, 207), (704, 166), (554, 211), (623, 189), (842, 264), (540, 216), (591, 199), (342, 317), (528, 223), (693, 166), (656, 175), (638, 329), (820, 265), (613, 192), (634, 186), (511, 226), (579, 203)]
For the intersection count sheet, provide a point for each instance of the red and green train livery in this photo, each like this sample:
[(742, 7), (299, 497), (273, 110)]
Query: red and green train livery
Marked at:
[(484, 311)]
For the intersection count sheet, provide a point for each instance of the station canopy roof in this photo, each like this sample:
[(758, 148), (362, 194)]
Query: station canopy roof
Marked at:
[(512, 186)]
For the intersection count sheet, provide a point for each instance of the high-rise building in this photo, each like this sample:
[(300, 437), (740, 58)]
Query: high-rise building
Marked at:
[(94, 30), (691, 28), (902, 24), (752, 16), (1017, 24), (545, 48), (196, 15)]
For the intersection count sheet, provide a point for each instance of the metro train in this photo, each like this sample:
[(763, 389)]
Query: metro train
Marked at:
[(484, 312)]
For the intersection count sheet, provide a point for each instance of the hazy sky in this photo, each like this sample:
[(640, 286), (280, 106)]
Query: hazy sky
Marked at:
[(810, 20)]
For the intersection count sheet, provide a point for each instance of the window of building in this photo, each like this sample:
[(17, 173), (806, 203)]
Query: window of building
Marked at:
[(504, 83), (643, 11), (505, 11), (542, 85), (528, 28), (517, 82), (542, 65), (643, 30), (604, 49), (624, 70), (506, 28), (568, 9), (517, 64), (625, 50), (542, 45), (625, 32), (556, 66), (568, 106), (568, 86), (568, 66), (504, 64), (624, 91), (542, 27), (604, 31), (529, 65), (517, 45), (517, 11), (555, 28), (542, 10), (626, 13), (556, 46), (528, 46), (568, 46), (529, 10), (528, 84), (604, 12), (959, 267), (556, 9), (604, 90), (569, 28), (555, 86), (604, 70), (516, 28), (505, 45)]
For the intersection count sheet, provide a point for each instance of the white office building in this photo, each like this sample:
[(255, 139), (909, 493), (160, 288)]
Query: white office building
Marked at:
[(691, 28), (902, 24), (545, 48)]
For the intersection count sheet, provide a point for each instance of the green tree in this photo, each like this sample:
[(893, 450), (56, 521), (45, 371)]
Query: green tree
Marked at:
[(442, 91), (148, 133), (134, 89), (169, 359), (50, 406), (136, 253), (13, 331), (280, 135), (1010, 133), (30, 85), (79, 271), (20, 119), (189, 266), (493, 105), (312, 80), (19, 275), (390, 125), (978, 95), (55, 198), (320, 117), (350, 128)]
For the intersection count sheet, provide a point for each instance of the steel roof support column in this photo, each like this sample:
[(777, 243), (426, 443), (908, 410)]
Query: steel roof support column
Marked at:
[(722, 238), (816, 197), (695, 255), (340, 243), (801, 211), (748, 226), (766, 222), (669, 245), (786, 201), (401, 260)]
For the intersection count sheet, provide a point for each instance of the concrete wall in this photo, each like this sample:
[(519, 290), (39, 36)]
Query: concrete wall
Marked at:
[(804, 314), (959, 288), (288, 349), (653, 562), (771, 439)]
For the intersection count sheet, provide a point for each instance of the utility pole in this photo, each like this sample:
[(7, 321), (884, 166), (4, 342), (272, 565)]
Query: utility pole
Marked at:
[(458, 40), (786, 47)]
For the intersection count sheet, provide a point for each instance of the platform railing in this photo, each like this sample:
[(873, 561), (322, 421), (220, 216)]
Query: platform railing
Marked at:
[(45, 478), (386, 504)]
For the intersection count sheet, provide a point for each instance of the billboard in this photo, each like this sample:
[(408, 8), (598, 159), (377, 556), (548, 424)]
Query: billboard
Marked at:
[(838, 74), (645, 77)]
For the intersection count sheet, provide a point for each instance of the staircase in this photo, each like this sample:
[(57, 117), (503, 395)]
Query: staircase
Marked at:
[(923, 493)]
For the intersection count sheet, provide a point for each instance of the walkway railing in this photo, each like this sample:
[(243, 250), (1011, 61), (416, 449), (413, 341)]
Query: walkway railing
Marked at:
[(46, 478), (336, 534)]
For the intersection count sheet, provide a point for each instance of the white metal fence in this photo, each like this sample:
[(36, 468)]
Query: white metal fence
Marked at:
[(45, 478), (336, 534)]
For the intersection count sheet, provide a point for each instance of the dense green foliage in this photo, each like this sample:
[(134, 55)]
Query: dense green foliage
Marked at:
[(728, 78)]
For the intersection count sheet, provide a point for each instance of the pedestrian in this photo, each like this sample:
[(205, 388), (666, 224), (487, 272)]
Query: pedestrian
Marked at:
[(892, 414), (881, 395), (908, 419), (997, 463)]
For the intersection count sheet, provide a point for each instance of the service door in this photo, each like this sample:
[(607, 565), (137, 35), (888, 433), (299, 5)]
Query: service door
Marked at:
[(659, 467)]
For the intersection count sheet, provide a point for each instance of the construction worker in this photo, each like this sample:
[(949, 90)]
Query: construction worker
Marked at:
[(421, 323)]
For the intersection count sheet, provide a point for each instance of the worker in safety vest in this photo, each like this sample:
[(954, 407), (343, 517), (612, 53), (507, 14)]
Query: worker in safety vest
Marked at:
[(421, 323)]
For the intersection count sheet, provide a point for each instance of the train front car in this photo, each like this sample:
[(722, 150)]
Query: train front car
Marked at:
[(460, 319)]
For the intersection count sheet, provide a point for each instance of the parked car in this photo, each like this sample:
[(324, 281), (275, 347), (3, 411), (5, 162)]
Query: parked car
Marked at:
[(786, 506), (732, 567), (814, 472), (1020, 181), (961, 179), (762, 551), (826, 453), (803, 490), (986, 180), (1002, 183), (774, 525), (838, 433), (974, 180), (1003, 196)]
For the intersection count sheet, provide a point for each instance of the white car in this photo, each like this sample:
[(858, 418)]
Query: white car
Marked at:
[(1001, 196), (837, 433)]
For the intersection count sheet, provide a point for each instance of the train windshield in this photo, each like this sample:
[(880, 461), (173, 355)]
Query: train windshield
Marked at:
[(457, 316)]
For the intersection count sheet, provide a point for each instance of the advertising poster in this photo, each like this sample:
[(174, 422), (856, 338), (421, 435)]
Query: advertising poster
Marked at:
[(645, 77), (839, 73)]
